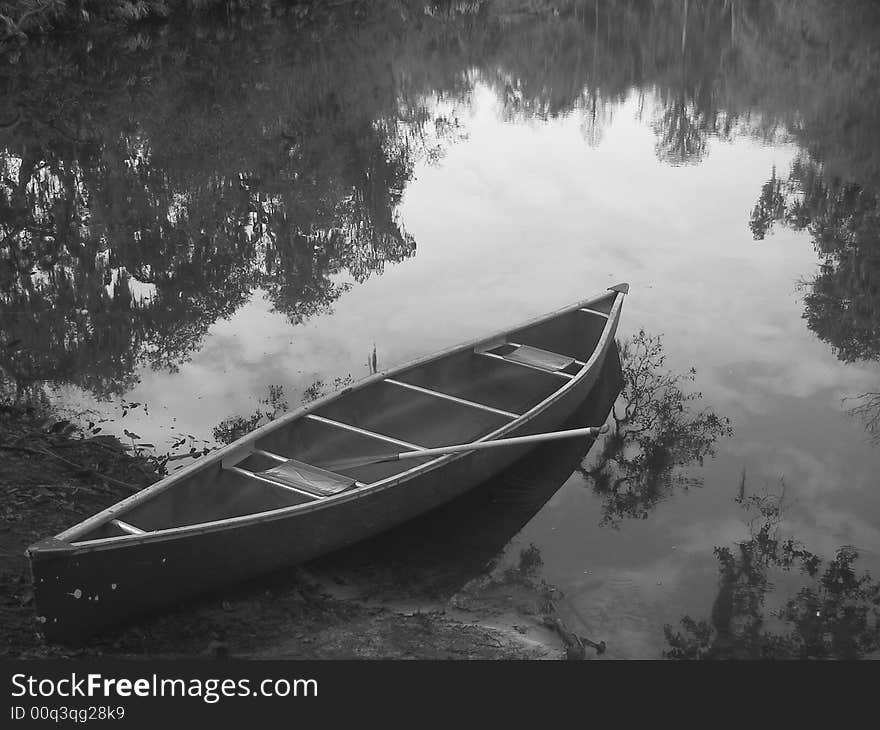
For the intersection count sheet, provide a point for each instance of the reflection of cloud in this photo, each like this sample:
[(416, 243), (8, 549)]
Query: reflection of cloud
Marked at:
[(808, 476), (823, 490), (627, 608), (768, 361), (240, 357), (243, 355), (700, 538), (812, 375), (825, 528)]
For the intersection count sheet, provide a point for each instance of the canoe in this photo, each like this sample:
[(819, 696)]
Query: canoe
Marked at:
[(278, 496)]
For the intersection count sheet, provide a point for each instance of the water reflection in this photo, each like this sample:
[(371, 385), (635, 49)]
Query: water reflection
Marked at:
[(149, 188), (657, 432), (131, 223), (835, 614)]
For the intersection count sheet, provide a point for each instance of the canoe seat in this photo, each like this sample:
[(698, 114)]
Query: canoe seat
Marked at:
[(540, 358), (533, 357), (308, 478)]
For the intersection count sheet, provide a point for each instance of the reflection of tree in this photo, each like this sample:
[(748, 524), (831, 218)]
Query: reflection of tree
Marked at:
[(867, 409), (130, 224), (655, 433), (681, 138), (715, 70), (842, 303), (834, 615), (585, 56), (769, 208), (234, 427), (271, 407)]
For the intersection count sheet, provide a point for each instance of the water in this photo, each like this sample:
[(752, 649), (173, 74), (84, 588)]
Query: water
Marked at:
[(214, 211)]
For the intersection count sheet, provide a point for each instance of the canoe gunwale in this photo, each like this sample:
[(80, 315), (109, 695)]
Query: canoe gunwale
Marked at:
[(246, 445)]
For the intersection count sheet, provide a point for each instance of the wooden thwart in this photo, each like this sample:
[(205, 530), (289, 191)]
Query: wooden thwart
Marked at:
[(271, 455), (452, 398), (593, 311), (361, 431), (126, 527)]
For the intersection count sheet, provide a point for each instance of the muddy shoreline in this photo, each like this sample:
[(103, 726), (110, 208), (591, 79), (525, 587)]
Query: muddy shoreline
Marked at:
[(51, 476)]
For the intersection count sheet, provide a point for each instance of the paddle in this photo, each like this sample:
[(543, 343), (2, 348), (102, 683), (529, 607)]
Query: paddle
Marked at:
[(456, 448)]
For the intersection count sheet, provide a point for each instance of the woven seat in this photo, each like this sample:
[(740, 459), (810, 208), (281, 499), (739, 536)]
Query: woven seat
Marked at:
[(308, 478), (540, 358)]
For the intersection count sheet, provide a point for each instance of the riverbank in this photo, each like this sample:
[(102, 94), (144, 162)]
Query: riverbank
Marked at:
[(50, 478)]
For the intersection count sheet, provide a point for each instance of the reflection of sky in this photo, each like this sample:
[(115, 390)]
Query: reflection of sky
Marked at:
[(518, 219)]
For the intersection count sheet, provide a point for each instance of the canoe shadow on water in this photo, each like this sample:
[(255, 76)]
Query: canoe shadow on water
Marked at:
[(435, 554)]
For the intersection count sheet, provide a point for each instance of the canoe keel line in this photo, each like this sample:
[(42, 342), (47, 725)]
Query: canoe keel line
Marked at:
[(341, 469)]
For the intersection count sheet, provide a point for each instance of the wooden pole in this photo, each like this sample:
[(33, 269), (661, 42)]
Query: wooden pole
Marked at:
[(535, 438)]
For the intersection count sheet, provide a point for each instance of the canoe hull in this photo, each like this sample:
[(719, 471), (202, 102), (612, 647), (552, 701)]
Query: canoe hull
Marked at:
[(80, 591)]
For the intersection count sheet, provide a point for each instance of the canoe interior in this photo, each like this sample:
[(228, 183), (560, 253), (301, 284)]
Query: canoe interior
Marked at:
[(574, 333), (388, 409), (412, 416), (215, 493)]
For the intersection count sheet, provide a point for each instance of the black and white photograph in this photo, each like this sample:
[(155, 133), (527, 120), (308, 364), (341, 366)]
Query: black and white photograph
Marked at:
[(502, 330)]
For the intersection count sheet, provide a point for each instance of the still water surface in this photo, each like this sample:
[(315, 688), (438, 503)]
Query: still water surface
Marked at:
[(380, 207)]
